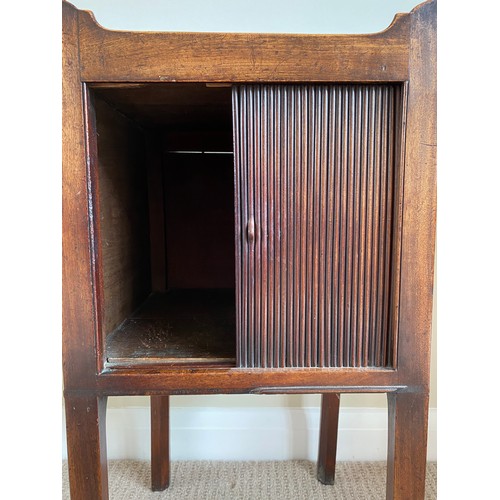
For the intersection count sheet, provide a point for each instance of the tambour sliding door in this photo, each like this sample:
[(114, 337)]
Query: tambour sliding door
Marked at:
[(318, 222)]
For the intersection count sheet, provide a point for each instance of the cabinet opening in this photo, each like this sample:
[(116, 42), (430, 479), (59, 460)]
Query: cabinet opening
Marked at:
[(163, 202)]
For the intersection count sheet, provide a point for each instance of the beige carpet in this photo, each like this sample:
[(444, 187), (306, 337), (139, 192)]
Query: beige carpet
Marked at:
[(290, 480)]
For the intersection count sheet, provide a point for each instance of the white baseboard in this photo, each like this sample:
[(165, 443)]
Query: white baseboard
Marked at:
[(214, 433)]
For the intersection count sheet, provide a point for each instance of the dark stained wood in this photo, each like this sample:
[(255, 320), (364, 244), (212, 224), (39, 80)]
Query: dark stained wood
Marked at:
[(419, 205), (406, 458), (328, 431), (333, 266), (120, 56), (156, 197), (149, 379), (121, 192), (86, 437), (397, 229), (95, 217), (174, 106), (78, 320), (177, 327), (402, 20), (239, 200), (160, 442), (408, 412), (199, 220), (355, 239)]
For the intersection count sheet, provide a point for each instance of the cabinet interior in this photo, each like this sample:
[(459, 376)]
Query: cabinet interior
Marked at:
[(164, 223)]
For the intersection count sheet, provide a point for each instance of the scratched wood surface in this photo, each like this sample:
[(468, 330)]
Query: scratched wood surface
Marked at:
[(403, 54), (78, 321), (118, 56), (177, 327), (403, 38)]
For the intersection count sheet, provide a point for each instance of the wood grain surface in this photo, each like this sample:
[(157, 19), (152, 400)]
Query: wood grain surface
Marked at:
[(121, 214), (79, 323), (177, 327), (160, 442), (335, 208), (119, 56), (328, 433), (86, 438), (318, 171)]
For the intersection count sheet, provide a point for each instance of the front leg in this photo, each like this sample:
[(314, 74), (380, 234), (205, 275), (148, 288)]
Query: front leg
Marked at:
[(407, 450), (86, 437)]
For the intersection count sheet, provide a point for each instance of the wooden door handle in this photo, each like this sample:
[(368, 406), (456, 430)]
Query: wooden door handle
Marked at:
[(251, 230)]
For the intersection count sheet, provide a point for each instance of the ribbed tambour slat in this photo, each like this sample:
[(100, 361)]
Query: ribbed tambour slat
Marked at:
[(318, 212)]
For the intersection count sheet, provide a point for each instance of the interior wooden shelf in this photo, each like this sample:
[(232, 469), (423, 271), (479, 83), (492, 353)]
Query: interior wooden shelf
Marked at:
[(179, 327)]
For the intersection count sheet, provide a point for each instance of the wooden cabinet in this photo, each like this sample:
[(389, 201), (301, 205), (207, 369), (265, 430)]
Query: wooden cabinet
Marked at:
[(248, 213)]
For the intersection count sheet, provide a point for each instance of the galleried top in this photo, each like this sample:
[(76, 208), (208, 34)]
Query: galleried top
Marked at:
[(109, 55)]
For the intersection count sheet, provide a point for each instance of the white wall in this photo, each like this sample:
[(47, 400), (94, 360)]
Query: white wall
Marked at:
[(292, 16), (252, 432)]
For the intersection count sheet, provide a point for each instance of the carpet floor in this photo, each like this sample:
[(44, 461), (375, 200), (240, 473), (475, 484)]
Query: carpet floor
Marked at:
[(287, 480)]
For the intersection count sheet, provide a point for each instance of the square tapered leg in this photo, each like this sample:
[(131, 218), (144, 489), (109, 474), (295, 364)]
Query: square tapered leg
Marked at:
[(407, 450), (160, 447), (86, 437), (328, 431)]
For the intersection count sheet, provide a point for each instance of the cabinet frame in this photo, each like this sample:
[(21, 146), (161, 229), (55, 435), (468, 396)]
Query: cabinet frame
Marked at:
[(404, 52)]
